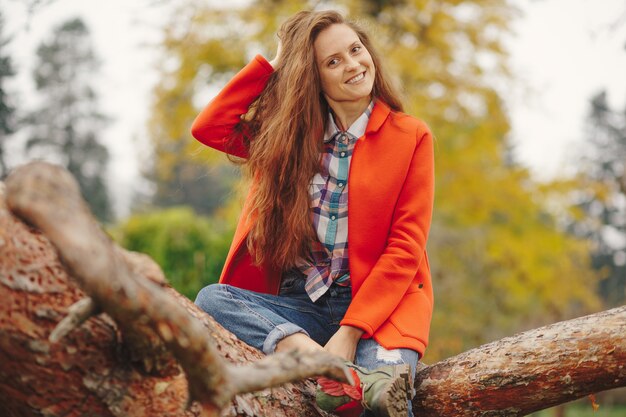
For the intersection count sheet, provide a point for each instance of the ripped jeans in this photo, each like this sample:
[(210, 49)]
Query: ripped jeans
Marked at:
[(263, 320)]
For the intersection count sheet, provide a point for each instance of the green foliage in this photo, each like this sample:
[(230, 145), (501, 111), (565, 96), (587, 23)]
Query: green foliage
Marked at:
[(501, 263), (189, 248), (65, 126), (586, 410)]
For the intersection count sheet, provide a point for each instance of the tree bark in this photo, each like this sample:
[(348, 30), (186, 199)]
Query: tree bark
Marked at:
[(530, 371), (94, 369), (134, 360)]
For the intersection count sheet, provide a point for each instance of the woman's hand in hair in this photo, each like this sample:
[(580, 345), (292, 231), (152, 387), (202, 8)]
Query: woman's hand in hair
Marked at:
[(279, 49), (343, 343)]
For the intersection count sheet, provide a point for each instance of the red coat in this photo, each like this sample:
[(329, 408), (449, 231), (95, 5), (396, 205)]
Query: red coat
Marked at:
[(390, 204)]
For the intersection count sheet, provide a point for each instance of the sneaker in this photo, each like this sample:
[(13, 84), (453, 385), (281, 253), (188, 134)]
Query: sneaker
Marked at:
[(385, 391)]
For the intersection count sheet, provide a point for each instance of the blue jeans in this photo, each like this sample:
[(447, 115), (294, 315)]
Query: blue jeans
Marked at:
[(263, 320)]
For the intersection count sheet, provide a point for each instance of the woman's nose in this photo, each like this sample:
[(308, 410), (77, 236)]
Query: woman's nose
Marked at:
[(351, 64)]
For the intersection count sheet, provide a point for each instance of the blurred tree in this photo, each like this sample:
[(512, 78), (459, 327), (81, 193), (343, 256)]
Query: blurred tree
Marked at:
[(65, 126), (500, 261), (603, 200), (190, 249), (7, 110), (183, 171)]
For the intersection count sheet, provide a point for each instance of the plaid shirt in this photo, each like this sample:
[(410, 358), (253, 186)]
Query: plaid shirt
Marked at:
[(328, 261)]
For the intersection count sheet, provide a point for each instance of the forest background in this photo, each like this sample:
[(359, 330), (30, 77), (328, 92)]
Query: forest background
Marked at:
[(510, 249)]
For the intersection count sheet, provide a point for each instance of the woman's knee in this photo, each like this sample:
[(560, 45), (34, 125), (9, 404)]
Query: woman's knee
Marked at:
[(212, 297)]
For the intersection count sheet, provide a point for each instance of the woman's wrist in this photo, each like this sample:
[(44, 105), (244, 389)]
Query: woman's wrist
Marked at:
[(353, 332), (274, 61)]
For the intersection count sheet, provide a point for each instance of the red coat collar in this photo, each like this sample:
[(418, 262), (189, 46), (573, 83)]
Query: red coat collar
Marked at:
[(378, 117)]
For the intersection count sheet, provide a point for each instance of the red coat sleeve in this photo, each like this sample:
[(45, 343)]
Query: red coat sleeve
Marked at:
[(215, 123)]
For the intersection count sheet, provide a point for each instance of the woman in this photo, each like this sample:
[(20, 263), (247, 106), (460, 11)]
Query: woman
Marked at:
[(333, 162)]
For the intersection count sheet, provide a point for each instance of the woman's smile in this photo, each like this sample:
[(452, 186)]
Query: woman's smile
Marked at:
[(356, 79)]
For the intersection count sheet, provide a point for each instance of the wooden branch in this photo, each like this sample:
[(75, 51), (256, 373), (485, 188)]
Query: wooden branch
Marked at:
[(78, 313), (48, 197), (530, 371), (281, 368), (89, 373)]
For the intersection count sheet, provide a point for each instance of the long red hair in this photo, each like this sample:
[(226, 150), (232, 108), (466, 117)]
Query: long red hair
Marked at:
[(284, 131)]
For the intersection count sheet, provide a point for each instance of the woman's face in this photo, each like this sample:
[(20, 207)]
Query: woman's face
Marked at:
[(346, 68)]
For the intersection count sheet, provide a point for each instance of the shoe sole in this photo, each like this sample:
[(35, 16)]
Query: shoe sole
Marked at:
[(396, 403), (405, 372)]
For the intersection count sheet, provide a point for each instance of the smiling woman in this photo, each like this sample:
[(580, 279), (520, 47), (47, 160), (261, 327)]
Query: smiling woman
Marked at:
[(346, 72), (317, 121)]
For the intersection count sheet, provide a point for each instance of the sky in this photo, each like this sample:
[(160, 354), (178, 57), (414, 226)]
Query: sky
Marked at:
[(563, 52)]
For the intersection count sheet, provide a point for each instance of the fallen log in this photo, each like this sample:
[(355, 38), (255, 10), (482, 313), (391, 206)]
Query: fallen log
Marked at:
[(131, 345), (530, 371)]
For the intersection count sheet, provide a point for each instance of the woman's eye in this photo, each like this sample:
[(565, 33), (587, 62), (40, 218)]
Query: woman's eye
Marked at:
[(333, 61), (356, 49)]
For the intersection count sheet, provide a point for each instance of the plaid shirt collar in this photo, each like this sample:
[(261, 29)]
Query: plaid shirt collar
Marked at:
[(356, 129)]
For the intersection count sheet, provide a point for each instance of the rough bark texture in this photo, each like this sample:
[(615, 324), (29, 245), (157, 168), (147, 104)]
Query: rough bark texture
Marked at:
[(100, 369), (530, 371), (91, 371), (159, 332)]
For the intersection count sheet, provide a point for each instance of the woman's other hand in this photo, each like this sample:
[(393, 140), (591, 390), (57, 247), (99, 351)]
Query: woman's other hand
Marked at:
[(279, 49), (343, 343)]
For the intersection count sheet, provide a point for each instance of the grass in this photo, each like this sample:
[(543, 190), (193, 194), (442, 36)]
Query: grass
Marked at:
[(585, 411)]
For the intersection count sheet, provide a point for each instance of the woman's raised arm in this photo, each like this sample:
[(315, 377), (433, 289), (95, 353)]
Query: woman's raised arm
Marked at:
[(215, 123)]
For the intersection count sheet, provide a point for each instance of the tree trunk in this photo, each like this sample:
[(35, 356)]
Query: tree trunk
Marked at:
[(93, 370), (131, 361), (530, 371)]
